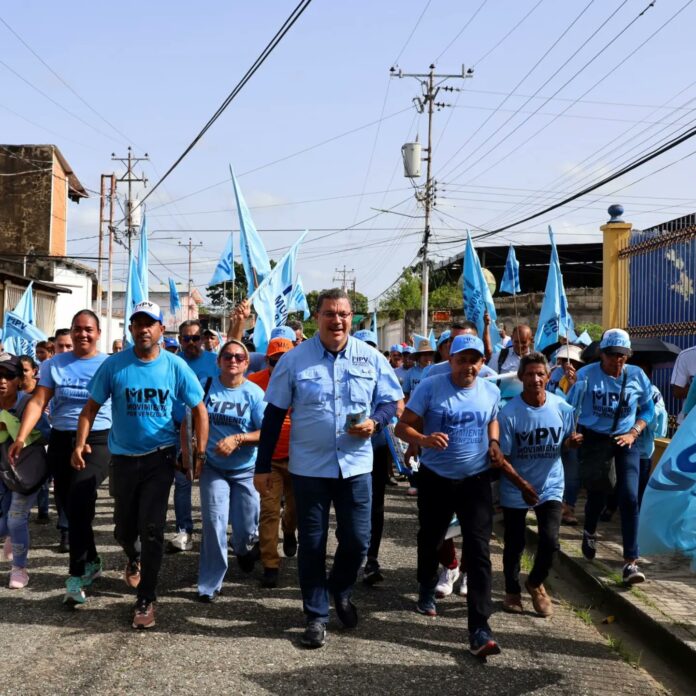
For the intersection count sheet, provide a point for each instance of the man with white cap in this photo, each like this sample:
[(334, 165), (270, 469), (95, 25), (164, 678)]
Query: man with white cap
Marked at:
[(143, 384), (453, 419)]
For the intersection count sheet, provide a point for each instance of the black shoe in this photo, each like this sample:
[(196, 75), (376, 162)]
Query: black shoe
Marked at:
[(589, 545), (246, 562), (269, 578), (372, 573), (314, 635), (64, 543), (209, 599), (289, 544), (346, 611)]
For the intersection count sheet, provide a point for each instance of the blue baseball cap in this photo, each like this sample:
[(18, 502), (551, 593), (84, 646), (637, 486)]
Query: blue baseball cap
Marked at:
[(409, 349), (283, 332), (170, 342), (396, 348), (616, 341), (466, 342), (366, 336), (444, 336)]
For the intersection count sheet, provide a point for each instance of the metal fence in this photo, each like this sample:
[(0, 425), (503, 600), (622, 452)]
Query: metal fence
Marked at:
[(661, 266)]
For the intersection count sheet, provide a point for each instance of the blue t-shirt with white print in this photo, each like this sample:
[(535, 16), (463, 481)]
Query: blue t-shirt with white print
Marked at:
[(531, 437), (143, 394), (463, 414), (231, 411)]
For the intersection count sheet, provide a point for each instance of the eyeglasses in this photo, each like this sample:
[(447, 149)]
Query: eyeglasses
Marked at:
[(238, 357), (340, 315), (195, 338)]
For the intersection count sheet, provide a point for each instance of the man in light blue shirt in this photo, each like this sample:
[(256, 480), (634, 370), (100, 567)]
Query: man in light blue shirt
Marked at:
[(341, 392), (424, 359), (444, 343)]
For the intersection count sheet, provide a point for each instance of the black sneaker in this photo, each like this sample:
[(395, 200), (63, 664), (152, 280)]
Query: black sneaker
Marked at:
[(289, 544), (269, 578), (246, 562), (64, 543), (314, 635), (209, 599), (632, 574), (589, 545), (346, 611), (372, 573)]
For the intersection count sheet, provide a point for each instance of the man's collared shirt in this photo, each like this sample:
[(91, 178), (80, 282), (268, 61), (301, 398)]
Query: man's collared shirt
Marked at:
[(324, 390)]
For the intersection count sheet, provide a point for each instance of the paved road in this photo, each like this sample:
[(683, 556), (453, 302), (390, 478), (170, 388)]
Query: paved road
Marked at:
[(246, 643)]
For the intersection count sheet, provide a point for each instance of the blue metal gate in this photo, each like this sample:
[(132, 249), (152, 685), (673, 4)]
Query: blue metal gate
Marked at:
[(662, 290)]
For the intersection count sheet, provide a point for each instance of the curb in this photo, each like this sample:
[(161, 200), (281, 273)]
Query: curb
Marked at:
[(653, 633)]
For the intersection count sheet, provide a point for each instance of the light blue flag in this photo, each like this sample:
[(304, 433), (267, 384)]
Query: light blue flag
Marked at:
[(18, 339), (418, 339), (225, 266), (298, 300), (668, 512), (271, 299), (584, 339), (554, 319), (174, 301), (143, 265), (432, 339), (254, 256), (134, 295), (477, 294), (511, 276)]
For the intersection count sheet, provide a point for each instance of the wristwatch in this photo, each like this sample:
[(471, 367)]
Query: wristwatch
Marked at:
[(378, 425), (201, 456)]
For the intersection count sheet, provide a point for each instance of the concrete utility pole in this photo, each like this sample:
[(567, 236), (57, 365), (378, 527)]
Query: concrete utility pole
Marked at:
[(342, 278), (191, 247), (129, 177), (431, 84), (110, 271)]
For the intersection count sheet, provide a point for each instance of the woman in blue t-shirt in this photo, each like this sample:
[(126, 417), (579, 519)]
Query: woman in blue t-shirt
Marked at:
[(63, 381), (235, 409), (614, 403)]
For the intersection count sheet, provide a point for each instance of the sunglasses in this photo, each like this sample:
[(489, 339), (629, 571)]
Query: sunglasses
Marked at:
[(187, 339), (8, 376), (238, 357)]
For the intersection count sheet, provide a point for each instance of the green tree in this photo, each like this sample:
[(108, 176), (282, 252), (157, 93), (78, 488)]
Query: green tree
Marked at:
[(405, 295), (595, 330), (236, 290), (448, 296), (358, 301)]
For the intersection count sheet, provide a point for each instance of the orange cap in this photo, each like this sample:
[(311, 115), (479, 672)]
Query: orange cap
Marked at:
[(279, 345)]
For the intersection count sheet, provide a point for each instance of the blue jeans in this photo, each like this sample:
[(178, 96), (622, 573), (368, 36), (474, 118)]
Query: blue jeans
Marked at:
[(225, 496), (182, 503), (352, 500), (627, 475), (571, 474), (42, 498), (14, 521)]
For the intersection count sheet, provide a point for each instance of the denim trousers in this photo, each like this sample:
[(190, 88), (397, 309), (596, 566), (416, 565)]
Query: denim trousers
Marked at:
[(14, 522), (79, 491), (226, 497), (548, 516), (627, 460), (183, 511), (352, 501), (141, 486), (471, 499)]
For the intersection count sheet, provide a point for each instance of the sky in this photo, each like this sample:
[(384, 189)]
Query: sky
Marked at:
[(562, 94)]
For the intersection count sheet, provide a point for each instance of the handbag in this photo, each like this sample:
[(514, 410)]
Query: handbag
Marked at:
[(30, 471), (597, 465)]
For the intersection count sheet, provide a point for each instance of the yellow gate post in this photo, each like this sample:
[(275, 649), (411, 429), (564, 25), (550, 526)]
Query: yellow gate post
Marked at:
[(616, 234)]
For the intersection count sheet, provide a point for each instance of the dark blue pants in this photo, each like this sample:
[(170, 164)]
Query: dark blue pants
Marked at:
[(352, 501), (627, 474)]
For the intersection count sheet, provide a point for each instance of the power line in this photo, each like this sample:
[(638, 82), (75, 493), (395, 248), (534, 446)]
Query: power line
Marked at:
[(462, 30), (273, 43)]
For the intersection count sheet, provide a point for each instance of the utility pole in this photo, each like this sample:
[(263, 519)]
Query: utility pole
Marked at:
[(130, 178), (191, 247), (110, 271), (342, 277), (431, 83)]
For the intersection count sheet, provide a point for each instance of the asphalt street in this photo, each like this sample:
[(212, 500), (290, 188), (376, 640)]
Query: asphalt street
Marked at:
[(247, 642)]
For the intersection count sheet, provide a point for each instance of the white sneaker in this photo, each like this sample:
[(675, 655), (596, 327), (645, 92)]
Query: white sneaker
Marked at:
[(460, 587), (181, 541), (445, 581), (19, 578)]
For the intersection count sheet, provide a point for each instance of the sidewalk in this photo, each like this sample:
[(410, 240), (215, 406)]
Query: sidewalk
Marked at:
[(663, 608)]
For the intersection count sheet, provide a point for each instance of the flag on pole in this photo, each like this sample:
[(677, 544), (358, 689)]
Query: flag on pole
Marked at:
[(432, 339), (272, 298), (134, 295), (511, 276), (143, 265), (477, 294), (20, 332), (225, 266), (418, 339), (174, 301), (254, 256), (554, 319), (668, 512), (298, 300)]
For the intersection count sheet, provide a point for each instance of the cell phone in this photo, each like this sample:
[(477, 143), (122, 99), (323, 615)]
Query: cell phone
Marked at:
[(353, 419)]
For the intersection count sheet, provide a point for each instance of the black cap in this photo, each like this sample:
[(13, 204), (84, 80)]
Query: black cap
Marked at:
[(11, 363)]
